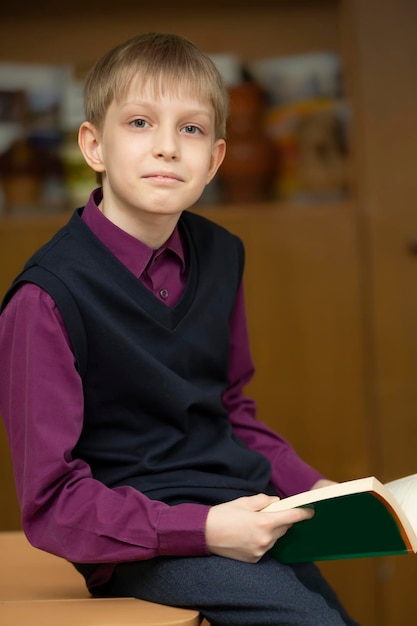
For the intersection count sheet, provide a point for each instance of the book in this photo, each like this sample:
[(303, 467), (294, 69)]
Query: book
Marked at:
[(352, 519)]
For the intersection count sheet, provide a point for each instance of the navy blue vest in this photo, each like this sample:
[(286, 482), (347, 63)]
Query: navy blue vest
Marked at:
[(153, 376)]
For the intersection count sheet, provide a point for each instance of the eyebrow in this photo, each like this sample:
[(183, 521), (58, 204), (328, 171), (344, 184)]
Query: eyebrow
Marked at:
[(204, 110)]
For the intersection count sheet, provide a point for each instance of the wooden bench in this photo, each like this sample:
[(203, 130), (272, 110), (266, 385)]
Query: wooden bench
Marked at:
[(39, 589)]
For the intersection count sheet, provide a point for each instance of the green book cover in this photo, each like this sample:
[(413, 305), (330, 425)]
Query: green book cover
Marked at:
[(352, 525)]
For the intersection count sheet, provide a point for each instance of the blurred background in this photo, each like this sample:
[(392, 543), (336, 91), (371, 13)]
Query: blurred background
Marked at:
[(320, 182)]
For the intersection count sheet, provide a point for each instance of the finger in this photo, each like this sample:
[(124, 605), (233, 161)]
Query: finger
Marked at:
[(260, 501)]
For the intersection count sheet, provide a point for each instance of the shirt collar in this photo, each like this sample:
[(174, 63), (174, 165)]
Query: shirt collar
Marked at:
[(132, 252)]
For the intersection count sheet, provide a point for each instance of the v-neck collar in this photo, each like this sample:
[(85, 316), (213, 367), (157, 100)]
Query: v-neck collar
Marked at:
[(169, 317)]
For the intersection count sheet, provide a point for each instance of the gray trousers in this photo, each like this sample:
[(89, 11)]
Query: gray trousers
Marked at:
[(231, 593)]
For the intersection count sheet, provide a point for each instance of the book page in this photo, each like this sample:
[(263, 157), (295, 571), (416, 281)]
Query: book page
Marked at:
[(405, 492), (305, 498)]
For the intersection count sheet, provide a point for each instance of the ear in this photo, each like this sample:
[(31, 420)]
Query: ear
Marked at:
[(90, 146), (217, 156)]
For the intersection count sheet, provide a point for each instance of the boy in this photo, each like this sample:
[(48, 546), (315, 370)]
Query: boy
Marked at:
[(124, 354)]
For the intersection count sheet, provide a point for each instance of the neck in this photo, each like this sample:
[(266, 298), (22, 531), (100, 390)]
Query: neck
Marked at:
[(151, 229)]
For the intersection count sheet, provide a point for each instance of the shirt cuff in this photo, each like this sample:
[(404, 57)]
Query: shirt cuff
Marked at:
[(181, 530)]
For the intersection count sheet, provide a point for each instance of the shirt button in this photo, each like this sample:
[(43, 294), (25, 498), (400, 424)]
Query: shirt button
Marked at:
[(164, 293)]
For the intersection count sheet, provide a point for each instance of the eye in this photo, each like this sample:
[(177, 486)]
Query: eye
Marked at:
[(139, 123), (190, 129)]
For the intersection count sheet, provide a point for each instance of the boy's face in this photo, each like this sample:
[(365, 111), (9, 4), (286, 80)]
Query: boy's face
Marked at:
[(156, 153)]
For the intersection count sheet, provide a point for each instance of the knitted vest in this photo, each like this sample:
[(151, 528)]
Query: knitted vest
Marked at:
[(153, 376)]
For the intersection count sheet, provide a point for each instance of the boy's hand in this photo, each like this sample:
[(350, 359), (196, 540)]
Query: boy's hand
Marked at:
[(323, 482), (237, 530)]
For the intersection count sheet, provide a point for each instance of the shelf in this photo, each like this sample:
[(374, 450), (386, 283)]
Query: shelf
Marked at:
[(277, 207), (33, 219), (63, 35)]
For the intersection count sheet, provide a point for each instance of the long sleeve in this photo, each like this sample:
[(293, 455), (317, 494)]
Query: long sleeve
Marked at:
[(290, 474), (64, 509)]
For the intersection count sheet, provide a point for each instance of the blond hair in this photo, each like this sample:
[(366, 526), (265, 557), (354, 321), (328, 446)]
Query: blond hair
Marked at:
[(165, 63)]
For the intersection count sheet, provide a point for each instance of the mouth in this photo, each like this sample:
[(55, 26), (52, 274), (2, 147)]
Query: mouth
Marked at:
[(167, 178)]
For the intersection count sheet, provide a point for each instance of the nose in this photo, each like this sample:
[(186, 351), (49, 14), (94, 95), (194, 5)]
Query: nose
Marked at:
[(166, 144)]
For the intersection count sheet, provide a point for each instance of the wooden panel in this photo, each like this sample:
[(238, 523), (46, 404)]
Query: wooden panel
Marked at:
[(303, 292), (19, 238), (9, 508), (387, 184), (303, 295), (385, 102), (394, 315), (70, 34)]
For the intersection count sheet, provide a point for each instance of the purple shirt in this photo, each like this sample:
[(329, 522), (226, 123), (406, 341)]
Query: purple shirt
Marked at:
[(64, 509)]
